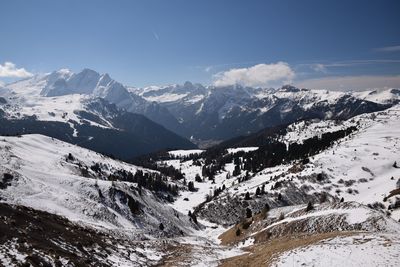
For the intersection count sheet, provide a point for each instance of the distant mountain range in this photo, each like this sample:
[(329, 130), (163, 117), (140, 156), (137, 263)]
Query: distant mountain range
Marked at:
[(220, 113), (97, 112)]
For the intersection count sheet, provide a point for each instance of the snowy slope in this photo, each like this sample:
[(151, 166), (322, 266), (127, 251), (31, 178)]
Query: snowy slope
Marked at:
[(364, 162), (45, 180), (368, 154), (382, 96), (187, 200), (357, 168)]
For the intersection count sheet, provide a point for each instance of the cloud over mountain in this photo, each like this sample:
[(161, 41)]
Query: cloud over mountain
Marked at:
[(273, 74), (9, 69)]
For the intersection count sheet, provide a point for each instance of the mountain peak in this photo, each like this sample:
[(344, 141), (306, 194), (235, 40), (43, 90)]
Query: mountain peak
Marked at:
[(105, 76), (104, 79), (188, 84), (88, 71)]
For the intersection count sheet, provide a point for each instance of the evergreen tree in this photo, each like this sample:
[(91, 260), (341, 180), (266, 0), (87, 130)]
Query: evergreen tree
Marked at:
[(70, 157), (198, 178), (309, 207), (266, 207), (249, 214), (236, 171), (194, 218), (238, 232), (191, 186)]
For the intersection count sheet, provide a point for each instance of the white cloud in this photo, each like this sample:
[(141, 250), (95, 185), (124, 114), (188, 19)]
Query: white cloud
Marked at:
[(355, 83), (9, 70), (274, 74), (395, 48)]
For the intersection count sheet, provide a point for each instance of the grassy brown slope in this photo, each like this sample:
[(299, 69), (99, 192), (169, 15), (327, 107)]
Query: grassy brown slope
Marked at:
[(264, 254), (247, 227)]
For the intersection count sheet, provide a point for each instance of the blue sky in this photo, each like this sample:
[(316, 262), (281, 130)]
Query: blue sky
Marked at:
[(309, 42)]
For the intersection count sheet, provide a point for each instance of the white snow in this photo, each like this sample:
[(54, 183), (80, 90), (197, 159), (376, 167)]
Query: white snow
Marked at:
[(378, 96), (167, 97), (247, 242), (300, 131)]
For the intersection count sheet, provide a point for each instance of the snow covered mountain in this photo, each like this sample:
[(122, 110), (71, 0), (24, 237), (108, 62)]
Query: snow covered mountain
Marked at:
[(90, 83), (220, 113), (88, 109)]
